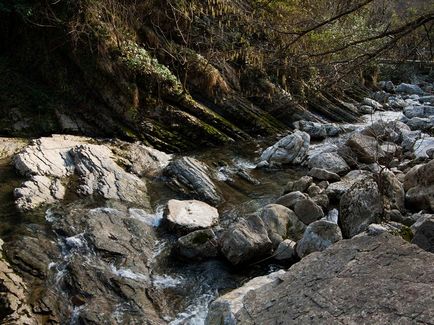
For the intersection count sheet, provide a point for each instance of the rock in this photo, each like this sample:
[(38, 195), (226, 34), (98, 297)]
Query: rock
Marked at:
[(360, 206), (332, 216), (372, 103), (424, 111), (291, 149), (318, 236), (318, 131), (314, 190), (281, 223), (427, 99), (289, 200), (419, 123), (343, 284), (409, 89), (392, 190), (389, 86), (198, 244), (37, 191), (187, 216), (366, 109), (322, 200), (391, 131), (190, 177), (106, 264), (397, 216), (381, 97), (419, 186), (423, 146), (308, 211), (10, 146), (246, 240), (285, 250), (142, 160), (49, 163), (424, 236), (367, 149), (324, 175), (225, 308), (330, 161), (300, 185), (13, 296), (99, 174), (336, 190), (397, 103)]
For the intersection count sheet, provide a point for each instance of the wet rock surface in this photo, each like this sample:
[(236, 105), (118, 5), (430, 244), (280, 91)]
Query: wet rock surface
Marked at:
[(343, 284), (191, 178)]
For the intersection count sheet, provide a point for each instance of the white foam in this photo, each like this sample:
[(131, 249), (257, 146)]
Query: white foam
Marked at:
[(129, 274), (153, 220), (196, 313), (166, 281)]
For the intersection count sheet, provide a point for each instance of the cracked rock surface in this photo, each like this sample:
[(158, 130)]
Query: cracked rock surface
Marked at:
[(365, 280)]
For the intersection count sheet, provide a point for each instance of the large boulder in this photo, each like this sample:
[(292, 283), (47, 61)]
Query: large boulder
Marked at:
[(191, 178), (329, 161), (419, 186), (372, 103), (391, 131), (281, 223), (187, 216), (423, 111), (290, 199), (291, 149), (365, 280), (421, 123), (409, 89), (367, 148), (360, 206), (50, 162), (300, 185), (318, 236), (246, 240), (336, 190)]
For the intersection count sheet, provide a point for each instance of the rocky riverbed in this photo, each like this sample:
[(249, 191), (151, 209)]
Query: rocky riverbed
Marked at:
[(100, 231)]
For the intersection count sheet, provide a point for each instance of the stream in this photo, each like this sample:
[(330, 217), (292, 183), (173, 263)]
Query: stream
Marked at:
[(189, 286)]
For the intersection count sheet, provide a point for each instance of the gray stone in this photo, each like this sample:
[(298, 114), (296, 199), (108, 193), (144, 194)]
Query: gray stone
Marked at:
[(246, 240), (191, 178), (300, 185), (318, 131), (419, 186), (318, 236), (308, 211), (37, 191), (342, 285), (360, 206), (392, 190), (372, 103), (289, 200), (198, 244), (419, 111), (420, 123), (336, 190), (424, 236), (324, 175), (367, 148), (332, 216), (285, 250), (291, 149), (281, 223), (409, 89), (329, 161), (187, 216), (366, 109), (314, 190)]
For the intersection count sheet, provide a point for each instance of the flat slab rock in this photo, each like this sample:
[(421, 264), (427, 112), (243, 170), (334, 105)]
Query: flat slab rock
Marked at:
[(190, 215), (365, 280)]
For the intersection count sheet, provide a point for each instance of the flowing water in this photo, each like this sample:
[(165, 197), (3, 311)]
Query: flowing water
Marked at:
[(191, 286)]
